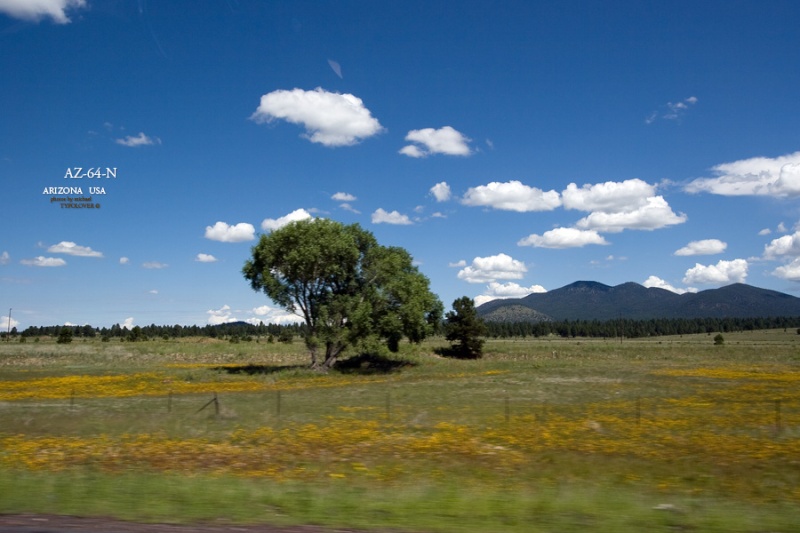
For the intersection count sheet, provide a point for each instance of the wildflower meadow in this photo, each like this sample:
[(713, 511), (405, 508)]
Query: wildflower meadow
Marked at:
[(549, 434)]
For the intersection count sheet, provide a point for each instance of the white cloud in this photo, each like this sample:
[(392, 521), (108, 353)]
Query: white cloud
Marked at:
[(655, 213), (222, 315), (757, 176), (270, 315), (154, 265), (4, 258), (70, 248), (124, 260), (608, 259), (330, 119), (482, 299), (677, 109), (790, 271), (495, 291), (380, 216), (512, 290), (128, 323), (205, 258), (271, 224), (441, 191), (655, 281), (429, 141), (35, 10), (492, 268), (563, 238), (787, 245), (223, 232), (276, 318), (458, 264), (703, 247), (139, 140), (608, 197), (42, 261), (723, 272), (264, 313), (8, 323), (511, 196), (412, 151), (262, 310), (343, 197), (672, 110), (617, 206), (788, 182)]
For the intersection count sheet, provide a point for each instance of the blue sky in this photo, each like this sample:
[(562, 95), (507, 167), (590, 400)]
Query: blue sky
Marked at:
[(510, 147)]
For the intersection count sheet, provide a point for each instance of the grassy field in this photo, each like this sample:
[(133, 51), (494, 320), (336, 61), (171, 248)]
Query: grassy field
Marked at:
[(663, 434)]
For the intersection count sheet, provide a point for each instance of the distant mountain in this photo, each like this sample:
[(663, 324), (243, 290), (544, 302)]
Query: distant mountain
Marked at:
[(517, 313), (590, 300)]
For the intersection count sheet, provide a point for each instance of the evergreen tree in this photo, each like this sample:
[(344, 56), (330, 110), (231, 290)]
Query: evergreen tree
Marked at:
[(65, 335), (464, 329)]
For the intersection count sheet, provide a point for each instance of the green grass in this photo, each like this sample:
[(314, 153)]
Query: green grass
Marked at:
[(591, 385), (440, 507)]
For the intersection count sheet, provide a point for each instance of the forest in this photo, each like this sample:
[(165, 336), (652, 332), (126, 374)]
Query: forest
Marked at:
[(243, 331)]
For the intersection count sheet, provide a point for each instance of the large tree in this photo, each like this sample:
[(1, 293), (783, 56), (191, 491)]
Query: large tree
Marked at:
[(346, 286)]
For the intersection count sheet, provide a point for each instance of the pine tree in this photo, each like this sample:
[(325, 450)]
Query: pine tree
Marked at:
[(464, 328), (65, 335)]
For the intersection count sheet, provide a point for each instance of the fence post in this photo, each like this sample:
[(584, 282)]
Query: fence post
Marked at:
[(215, 401)]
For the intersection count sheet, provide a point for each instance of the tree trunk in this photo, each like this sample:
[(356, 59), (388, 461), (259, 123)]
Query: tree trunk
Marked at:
[(332, 351), (313, 352)]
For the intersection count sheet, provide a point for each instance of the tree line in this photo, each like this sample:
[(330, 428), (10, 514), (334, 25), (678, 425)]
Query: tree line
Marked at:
[(630, 328), (621, 328), (234, 331)]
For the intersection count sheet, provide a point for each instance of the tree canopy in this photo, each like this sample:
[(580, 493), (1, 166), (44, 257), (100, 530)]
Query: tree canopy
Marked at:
[(347, 288)]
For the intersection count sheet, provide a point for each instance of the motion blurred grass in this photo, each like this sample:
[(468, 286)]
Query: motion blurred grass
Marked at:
[(540, 435)]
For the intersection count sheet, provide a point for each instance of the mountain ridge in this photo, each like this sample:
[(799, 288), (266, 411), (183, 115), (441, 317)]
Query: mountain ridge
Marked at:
[(592, 300)]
